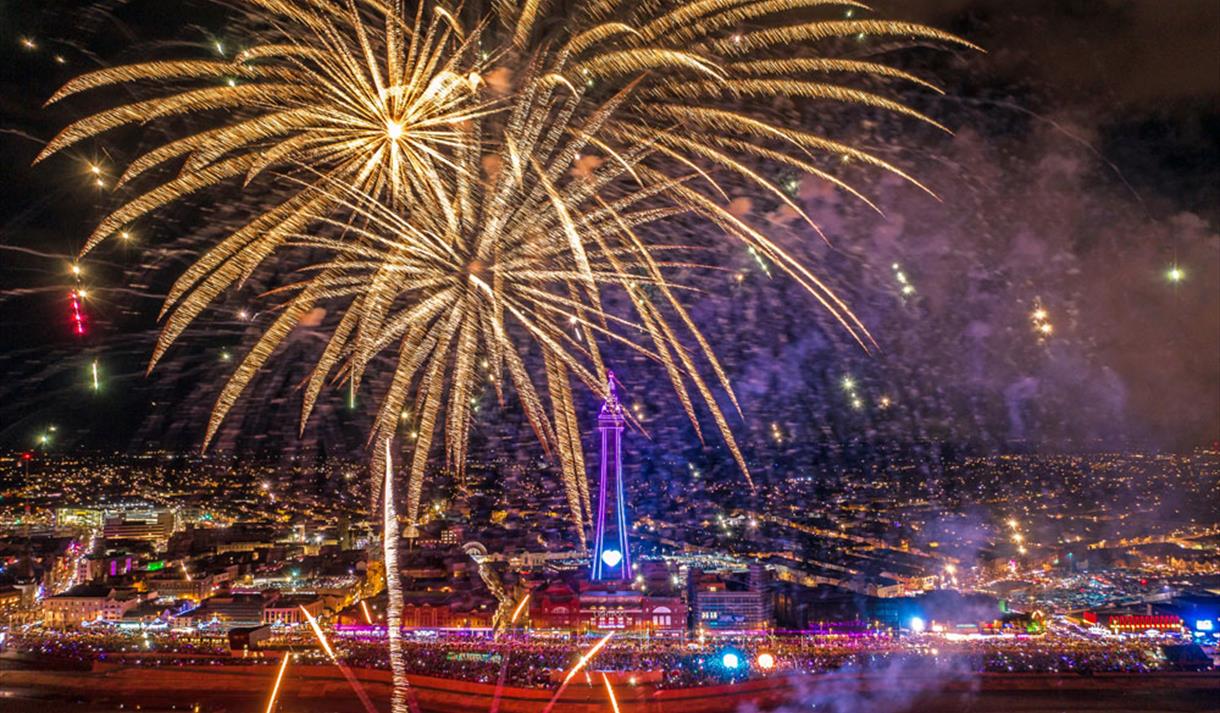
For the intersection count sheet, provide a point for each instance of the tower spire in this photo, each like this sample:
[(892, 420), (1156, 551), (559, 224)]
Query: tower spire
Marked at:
[(611, 556)]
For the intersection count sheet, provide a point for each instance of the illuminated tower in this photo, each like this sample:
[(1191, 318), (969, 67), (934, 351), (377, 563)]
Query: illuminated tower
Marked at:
[(611, 557)]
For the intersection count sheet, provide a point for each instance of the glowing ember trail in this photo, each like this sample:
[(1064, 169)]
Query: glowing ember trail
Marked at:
[(401, 698), (495, 701), (610, 692), (317, 630), (275, 690), (364, 608), (347, 672), (584, 660), (519, 609), (78, 318)]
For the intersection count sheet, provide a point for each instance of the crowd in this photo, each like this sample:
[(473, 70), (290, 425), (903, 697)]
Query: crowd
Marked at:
[(541, 662), (98, 643)]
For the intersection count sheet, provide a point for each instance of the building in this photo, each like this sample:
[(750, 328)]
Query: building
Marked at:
[(452, 535), (87, 603), (108, 565), (194, 588), (425, 610), (556, 607), (447, 610), (225, 612), (152, 612), (10, 602), (1127, 623), (88, 518), (602, 607), (155, 525), (729, 603), (248, 638), (290, 611)]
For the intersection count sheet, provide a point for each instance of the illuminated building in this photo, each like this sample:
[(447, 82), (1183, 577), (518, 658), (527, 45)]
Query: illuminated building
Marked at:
[(288, 610), (611, 556), (446, 611), (461, 609), (90, 518), (724, 603), (10, 601), (155, 525), (607, 606), (93, 567), (1136, 623), (225, 612), (86, 603)]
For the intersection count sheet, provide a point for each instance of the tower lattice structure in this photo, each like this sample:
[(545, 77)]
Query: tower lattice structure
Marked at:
[(611, 555)]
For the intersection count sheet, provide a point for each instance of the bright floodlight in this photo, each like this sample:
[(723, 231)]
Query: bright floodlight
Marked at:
[(730, 660), (917, 625), (766, 661), (611, 558)]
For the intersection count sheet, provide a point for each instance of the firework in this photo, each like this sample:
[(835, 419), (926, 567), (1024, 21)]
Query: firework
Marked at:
[(75, 298), (279, 677), (311, 97), (583, 661), (401, 700), (495, 700), (476, 182), (343, 668), (520, 608), (1040, 319), (610, 692)]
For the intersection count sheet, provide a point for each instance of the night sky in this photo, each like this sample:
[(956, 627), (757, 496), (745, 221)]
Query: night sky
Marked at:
[(1084, 166)]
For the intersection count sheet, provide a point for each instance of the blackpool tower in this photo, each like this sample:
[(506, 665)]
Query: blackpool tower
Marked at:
[(611, 557)]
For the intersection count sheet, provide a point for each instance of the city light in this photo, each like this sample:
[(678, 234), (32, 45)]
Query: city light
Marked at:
[(730, 660), (766, 661), (917, 624)]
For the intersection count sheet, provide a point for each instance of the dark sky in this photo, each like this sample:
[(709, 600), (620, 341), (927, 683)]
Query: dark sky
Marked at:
[(1085, 162)]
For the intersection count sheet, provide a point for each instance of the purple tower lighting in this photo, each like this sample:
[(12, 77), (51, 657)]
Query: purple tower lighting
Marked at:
[(611, 557)]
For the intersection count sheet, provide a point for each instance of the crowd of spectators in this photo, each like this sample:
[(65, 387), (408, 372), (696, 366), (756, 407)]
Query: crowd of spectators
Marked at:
[(536, 662)]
